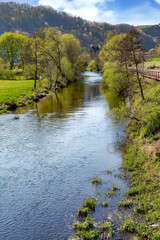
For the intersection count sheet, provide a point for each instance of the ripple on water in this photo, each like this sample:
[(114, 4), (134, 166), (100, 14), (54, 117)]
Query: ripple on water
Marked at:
[(48, 157)]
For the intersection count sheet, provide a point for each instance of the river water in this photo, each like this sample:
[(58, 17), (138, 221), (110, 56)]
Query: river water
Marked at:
[(48, 155)]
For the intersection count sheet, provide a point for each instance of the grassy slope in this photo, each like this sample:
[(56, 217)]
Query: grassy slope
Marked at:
[(142, 161)]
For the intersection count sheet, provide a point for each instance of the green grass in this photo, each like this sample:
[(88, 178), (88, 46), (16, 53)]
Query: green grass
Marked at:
[(153, 59), (12, 89)]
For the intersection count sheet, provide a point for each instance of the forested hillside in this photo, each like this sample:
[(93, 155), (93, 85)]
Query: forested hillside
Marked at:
[(26, 19), (153, 30)]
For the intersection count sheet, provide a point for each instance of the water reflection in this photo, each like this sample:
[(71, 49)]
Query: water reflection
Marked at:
[(111, 98)]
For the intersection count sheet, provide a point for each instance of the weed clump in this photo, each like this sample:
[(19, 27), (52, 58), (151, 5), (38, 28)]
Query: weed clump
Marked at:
[(105, 229), (125, 204), (103, 204), (88, 235), (86, 225), (96, 180), (118, 175), (90, 203), (115, 188), (83, 212), (108, 171), (112, 191)]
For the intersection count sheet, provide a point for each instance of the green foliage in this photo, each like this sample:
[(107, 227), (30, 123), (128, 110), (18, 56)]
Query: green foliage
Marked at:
[(7, 74), (109, 51), (67, 68), (92, 66), (10, 46), (117, 81)]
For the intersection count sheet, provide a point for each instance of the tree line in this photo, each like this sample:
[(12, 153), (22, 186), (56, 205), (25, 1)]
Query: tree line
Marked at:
[(47, 53)]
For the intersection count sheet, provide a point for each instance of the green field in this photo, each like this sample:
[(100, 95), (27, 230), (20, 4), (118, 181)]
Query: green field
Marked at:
[(12, 89), (153, 60)]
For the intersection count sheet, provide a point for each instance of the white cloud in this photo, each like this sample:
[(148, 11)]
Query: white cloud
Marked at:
[(141, 15), (99, 11), (92, 10), (157, 1)]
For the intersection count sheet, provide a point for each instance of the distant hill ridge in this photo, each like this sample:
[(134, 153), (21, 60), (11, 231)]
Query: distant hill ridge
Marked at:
[(153, 30), (27, 19)]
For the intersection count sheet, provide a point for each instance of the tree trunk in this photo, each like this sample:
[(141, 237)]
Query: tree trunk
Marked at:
[(139, 82)]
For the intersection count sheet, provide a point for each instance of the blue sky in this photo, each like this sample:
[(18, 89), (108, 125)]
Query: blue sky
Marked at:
[(137, 12)]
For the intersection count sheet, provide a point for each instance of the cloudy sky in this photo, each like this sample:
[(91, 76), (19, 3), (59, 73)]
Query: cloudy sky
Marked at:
[(135, 12)]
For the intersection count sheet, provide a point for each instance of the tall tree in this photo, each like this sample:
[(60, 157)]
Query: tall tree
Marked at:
[(10, 44), (134, 45), (34, 56)]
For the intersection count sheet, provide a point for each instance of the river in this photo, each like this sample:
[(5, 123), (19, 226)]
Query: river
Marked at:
[(48, 154)]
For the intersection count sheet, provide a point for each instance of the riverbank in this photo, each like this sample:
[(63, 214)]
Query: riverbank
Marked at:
[(142, 160), (20, 92)]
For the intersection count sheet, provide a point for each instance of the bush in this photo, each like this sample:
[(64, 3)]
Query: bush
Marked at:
[(6, 74), (117, 81)]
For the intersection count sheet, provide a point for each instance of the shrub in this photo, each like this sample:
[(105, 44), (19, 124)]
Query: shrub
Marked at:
[(115, 80), (7, 74)]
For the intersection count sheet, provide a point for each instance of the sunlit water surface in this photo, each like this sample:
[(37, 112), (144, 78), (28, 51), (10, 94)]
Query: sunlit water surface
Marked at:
[(49, 155)]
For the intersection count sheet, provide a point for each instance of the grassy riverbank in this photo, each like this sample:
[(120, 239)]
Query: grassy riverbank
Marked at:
[(142, 161), (20, 92)]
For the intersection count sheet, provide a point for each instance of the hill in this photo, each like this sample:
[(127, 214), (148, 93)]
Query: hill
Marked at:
[(153, 30), (27, 19)]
